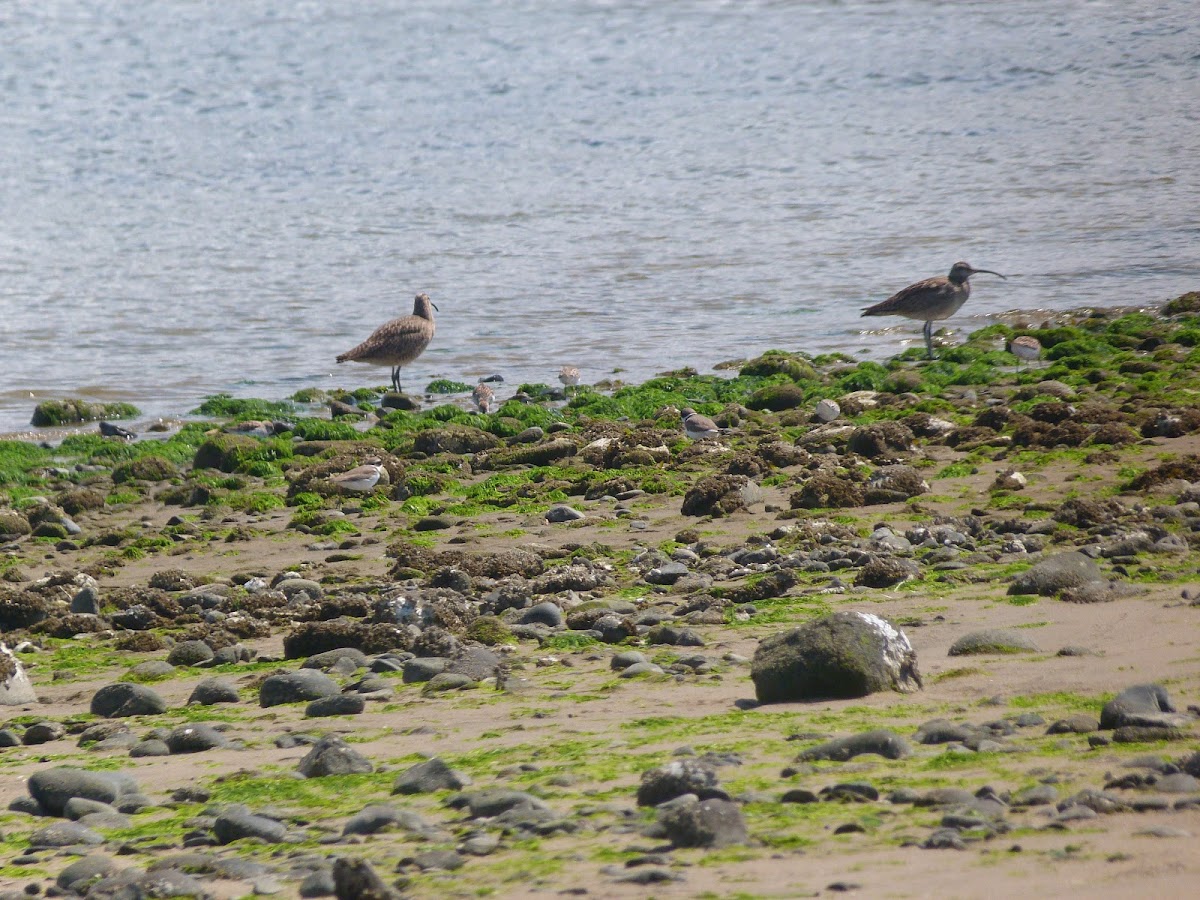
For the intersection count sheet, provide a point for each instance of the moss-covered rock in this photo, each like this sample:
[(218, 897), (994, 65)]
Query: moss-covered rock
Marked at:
[(846, 654), (311, 638), (13, 524), (74, 411), (457, 439), (540, 454), (240, 453), (717, 495), (778, 362), (881, 439), (777, 397), (78, 500), (145, 468), (827, 491)]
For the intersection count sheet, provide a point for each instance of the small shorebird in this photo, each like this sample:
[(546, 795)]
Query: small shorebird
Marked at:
[(360, 478), (696, 426), (1025, 348), (931, 299), (398, 342), (484, 397), (568, 376)]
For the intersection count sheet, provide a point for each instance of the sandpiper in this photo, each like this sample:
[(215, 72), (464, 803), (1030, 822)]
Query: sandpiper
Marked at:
[(931, 299), (484, 397), (360, 478), (568, 376), (1025, 347), (398, 342), (696, 426)]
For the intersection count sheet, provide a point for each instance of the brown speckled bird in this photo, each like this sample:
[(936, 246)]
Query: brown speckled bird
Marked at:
[(398, 342), (931, 299)]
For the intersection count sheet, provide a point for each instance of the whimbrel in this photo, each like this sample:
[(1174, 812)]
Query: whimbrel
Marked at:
[(931, 299), (398, 342), (696, 426)]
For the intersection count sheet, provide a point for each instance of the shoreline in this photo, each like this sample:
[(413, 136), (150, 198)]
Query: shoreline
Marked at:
[(564, 601)]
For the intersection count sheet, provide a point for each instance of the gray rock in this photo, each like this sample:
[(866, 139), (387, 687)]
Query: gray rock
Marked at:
[(152, 668), (295, 687), (337, 705), (42, 733), (477, 663), (333, 756), (354, 879), (327, 660), (563, 513), (1079, 723), (236, 824), (545, 613), (380, 817), (84, 871), (317, 884), (423, 668), (1056, 573), (446, 860), (642, 668), (190, 653), (667, 574), (149, 747), (78, 807), (708, 823), (195, 738), (677, 778), (9, 738), (993, 640), (449, 681), (843, 655), (882, 742), (675, 637), (940, 731), (52, 788), (491, 803), (125, 699), (15, 687), (211, 691), (1141, 704), (63, 834), (86, 601), (886, 571), (1038, 795), (625, 659), (431, 775)]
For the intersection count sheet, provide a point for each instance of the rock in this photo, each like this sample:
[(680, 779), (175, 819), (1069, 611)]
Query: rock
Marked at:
[(625, 659), (236, 824), (1141, 705), (993, 640), (881, 742), (666, 574), (124, 699), (354, 879), (295, 687), (195, 738), (331, 658), (886, 571), (545, 613), (491, 803), (1079, 723), (1056, 573), (52, 788), (84, 871), (563, 513), (42, 733), (880, 439), (379, 817), (333, 756), (15, 687), (86, 601), (64, 834), (677, 778), (826, 490), (708, 823), (445, 860), (214, 690), (449, 681), (423, 668), (827, 410), (336, 705), (846, 654), (149, 747), (894, 484), (431, 775), (716, 495), (190, 653)]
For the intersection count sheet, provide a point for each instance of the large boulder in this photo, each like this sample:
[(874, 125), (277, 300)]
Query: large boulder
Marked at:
[(124, 699), (708, 823), (1057, 573), (846, 654)]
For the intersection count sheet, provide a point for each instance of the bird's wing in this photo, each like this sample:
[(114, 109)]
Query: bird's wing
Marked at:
[(898, 300)]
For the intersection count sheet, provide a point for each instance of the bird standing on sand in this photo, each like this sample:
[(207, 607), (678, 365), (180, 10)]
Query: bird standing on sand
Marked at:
[(484, 397), (696, 426), (361, 478), (1025, 347), (398, 342), (931, 299)]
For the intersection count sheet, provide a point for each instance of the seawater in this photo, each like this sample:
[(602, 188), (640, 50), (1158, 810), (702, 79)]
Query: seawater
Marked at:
[(203, 197)]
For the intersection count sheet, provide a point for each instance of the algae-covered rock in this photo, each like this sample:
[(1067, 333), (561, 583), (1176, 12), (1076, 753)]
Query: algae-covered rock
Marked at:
[(1056, 573), (456, 439), (777, 397), (145, 468), (777, 362), (226, 452), (311, 638), (74, 411), (717, 495), (846, 654), (881, 742), (881, 439), (540, 454), (827, 491), (77, 500), (993, 640), (13, 524)]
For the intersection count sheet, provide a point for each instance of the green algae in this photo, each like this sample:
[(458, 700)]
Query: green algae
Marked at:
[(225, 406)]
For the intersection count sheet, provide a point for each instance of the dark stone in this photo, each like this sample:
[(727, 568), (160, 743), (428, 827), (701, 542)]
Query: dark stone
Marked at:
[(236, 824), (295, 687), (843, 655), (993, 640), (676, 778), (431, 775), (214, 690), (709, 823), (381, 817), (190, 653), (716, 495), (124, 699), (354, 879), (1056, 573), (63, 834), (195, 738), (336, 705), (886, 571), (1142, 704), (885, 743)]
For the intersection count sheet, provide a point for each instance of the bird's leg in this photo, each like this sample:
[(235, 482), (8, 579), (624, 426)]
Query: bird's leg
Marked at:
[(396, 379), (929, 338)]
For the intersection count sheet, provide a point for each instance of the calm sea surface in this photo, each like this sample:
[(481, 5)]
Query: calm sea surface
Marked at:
[(201, 197)]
